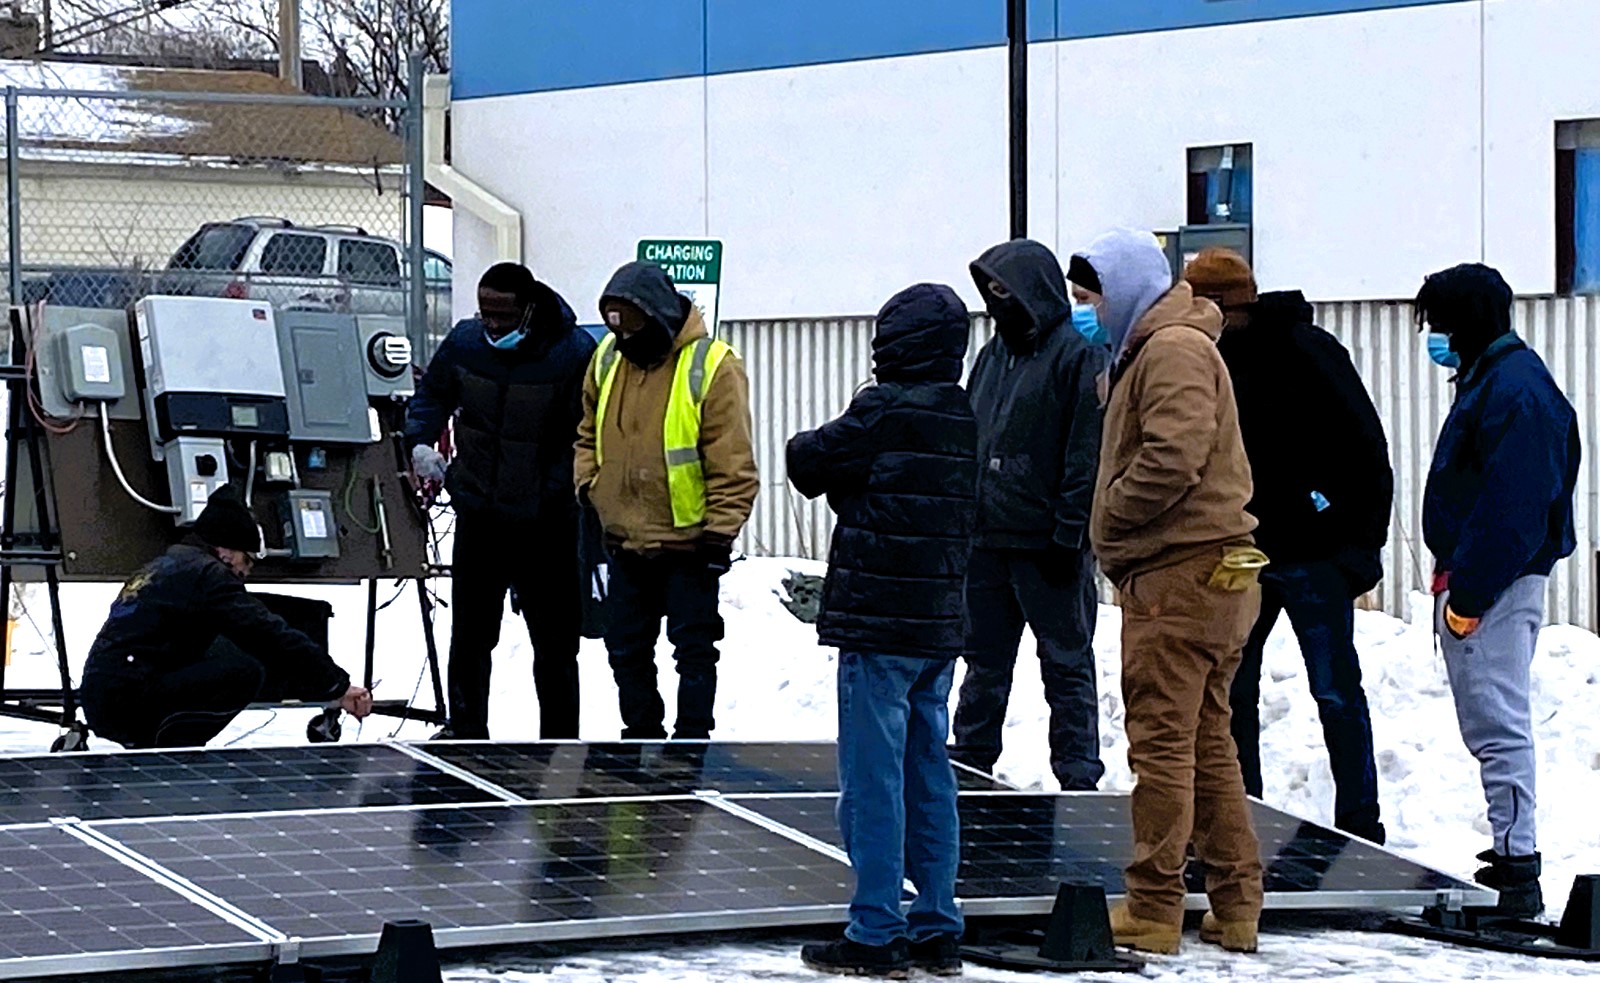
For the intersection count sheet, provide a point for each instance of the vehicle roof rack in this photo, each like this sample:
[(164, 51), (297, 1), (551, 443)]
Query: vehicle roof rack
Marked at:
[(272, 220), (349, 229)]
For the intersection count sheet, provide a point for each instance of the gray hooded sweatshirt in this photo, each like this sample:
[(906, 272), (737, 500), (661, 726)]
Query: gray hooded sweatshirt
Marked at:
[(1134, 274)]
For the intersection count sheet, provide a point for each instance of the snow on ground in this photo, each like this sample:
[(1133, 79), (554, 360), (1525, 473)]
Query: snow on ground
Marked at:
[(777, 684)]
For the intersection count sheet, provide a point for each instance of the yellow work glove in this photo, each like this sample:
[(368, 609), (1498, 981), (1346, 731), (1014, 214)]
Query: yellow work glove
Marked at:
[(1459, 626), (1239, 570)]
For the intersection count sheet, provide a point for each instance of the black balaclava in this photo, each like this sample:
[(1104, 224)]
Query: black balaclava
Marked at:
[(1470, 303), (643, 293), (1038, 301)]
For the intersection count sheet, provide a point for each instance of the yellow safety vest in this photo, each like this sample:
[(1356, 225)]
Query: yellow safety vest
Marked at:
[(696, 366)]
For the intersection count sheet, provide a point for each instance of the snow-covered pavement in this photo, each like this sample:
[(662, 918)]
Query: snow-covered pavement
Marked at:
[(777, 684)]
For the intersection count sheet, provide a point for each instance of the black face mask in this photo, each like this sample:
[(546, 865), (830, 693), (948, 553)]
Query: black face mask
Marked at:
[(1014, 324), (647, 347)]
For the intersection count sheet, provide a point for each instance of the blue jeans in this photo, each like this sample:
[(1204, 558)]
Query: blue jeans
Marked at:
[(897, 804), (1317, 599)]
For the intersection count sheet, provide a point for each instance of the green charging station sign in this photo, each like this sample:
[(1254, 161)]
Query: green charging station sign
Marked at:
[(695, 265)]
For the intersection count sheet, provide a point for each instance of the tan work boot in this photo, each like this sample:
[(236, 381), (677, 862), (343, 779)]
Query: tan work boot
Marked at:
[(1234, 936), (1139, 933)]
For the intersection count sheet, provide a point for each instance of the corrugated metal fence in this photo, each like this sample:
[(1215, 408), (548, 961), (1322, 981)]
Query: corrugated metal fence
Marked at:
[(804, 372)]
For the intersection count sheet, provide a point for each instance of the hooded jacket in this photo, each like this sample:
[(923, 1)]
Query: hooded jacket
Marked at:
[(1318, 456), (1174, 479), (518, 412), (170, 613), (630, 490), (899, 468), (1498, 503), (1039, 414)]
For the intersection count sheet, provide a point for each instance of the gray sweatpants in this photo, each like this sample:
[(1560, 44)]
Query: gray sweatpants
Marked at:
[(1489, 679)]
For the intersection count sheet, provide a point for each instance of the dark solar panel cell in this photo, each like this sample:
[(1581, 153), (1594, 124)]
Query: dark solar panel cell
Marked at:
[(60, 896), (182, 783), (478, 867)]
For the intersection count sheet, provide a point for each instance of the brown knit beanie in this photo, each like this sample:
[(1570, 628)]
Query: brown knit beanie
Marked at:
[(1222, 275)]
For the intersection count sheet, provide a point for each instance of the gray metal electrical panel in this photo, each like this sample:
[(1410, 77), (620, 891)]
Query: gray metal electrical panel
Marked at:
[(91, 360), (54, 364), (196, 467), (311, 529), (323, 366)]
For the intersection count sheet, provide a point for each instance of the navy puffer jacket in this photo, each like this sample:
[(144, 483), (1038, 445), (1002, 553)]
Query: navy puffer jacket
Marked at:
[(900, 468)]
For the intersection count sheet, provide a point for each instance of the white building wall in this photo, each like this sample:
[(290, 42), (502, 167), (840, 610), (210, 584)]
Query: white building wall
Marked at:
[(1365, 134), (1542, 65)]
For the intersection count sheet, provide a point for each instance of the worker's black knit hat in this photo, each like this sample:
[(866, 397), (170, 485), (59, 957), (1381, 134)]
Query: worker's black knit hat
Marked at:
[(225, 522)]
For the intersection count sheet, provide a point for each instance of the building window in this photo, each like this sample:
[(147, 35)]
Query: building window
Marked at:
[(1578, 207), (1220, 184)]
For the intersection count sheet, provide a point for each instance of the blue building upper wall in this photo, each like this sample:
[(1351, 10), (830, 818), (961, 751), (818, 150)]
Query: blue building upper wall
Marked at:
[(510, 47)]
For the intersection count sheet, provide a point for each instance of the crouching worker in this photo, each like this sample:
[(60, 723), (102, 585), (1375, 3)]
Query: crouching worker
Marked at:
[(186, 647), (900, 470)]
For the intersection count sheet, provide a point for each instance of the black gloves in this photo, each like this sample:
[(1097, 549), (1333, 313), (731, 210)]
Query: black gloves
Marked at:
[(715, 553)]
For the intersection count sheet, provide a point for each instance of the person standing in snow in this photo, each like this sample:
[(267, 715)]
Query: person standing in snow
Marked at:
[(1323, 491), (664, 455), (899, 468), (1497, 516), (1171, 531), (1036, 391), (511, 378)]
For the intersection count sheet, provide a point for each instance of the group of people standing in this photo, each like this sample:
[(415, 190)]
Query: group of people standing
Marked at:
[(1206, 447), (1217, 455)]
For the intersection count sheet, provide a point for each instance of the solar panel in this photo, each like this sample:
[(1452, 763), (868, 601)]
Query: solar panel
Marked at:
[(64, 903), (527, 873), (1021, 846), (171, 783), (571, 770)]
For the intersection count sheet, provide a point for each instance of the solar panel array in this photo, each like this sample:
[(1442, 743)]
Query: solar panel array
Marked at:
[(151, 859)]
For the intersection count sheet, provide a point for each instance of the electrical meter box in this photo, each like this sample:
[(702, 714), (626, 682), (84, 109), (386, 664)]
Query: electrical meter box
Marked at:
[(322, 363), (212, 368), (90, 360), (311, 530), (387, 353)]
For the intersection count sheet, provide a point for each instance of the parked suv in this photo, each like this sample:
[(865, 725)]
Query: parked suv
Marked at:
[(342, 267)]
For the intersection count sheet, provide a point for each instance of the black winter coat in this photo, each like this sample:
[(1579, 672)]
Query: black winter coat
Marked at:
[(172, 611), (519, 413), (1324, 486), (1498, 505), (900, 469), (1039, 414)]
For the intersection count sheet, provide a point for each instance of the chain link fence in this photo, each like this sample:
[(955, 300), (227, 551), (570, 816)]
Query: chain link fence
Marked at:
[(126, 182)]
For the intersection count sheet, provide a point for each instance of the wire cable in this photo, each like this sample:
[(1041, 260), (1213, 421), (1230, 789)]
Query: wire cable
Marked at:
[(250, 478), (122, 479)]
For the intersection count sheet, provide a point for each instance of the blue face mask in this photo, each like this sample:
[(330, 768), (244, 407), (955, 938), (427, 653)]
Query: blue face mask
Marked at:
[(1439, 351), (507, 341), (1086, 319)]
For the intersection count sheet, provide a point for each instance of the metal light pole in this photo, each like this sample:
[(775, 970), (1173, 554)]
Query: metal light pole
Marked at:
[(289, 66), (1017, 38)]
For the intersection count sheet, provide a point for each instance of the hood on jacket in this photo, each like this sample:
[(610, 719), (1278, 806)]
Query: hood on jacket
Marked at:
[(1134, 274), (1471, 303), (921, 336), (1282, 307), (649, 288), (1033, 275)]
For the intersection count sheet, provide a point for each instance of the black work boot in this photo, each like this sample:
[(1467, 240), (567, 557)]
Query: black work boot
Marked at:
[(1517, 880), (939, 955), (847, 957)]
